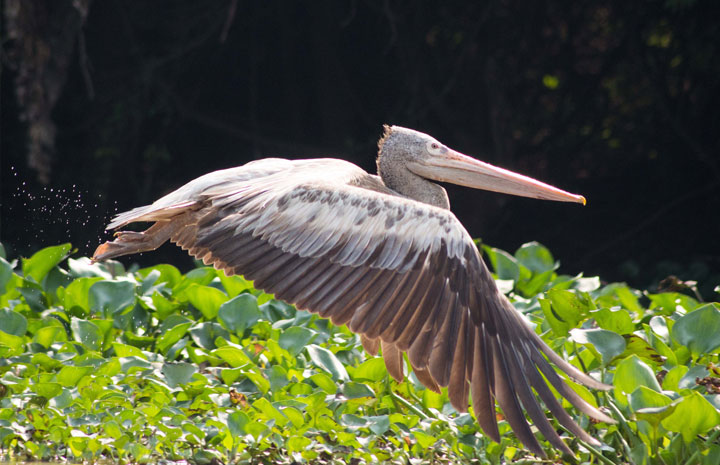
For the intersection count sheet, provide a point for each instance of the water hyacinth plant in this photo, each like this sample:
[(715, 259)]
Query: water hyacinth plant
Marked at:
[(146, 365)]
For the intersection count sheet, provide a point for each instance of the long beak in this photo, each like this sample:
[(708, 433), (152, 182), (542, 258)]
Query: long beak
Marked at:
[(456, 168)]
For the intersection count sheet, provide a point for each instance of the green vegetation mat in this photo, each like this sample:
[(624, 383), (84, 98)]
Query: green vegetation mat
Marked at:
[(153, 365)]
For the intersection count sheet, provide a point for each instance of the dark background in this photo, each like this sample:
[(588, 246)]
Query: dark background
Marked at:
[(109, 104)]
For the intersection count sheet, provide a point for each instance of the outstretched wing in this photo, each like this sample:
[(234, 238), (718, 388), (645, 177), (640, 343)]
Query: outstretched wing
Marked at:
[(406, 276)]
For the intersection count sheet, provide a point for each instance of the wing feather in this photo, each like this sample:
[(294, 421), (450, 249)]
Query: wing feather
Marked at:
[(369, 318), (395, 304), (444, 343), (370, 345), (427, 308), (528, 400), (482, 385), (393, 361), (458, 387), (336, 287), (506, 396), (426, 379), (424, 343)]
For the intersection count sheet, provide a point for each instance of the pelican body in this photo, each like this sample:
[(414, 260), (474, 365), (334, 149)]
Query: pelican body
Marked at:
[(385, 256)]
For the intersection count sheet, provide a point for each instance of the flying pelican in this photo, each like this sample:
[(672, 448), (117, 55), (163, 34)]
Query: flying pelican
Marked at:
[(384, 255)]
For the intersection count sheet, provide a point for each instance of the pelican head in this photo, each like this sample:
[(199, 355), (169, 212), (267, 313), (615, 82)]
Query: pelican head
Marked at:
[(427, 158)]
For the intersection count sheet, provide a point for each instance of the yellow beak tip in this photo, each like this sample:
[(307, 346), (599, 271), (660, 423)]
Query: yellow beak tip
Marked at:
[(582, 199)]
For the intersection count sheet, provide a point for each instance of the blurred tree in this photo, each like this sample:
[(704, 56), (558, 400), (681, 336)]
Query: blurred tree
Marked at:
[(612, 99), (39, 47)]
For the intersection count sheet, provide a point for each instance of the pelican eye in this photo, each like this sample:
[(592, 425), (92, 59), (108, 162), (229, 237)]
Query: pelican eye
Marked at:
[(434, 148)]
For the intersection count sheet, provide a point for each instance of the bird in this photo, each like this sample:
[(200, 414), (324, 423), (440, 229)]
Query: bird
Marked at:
[(384, 255)]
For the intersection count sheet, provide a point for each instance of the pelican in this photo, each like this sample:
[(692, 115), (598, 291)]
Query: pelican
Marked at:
[(385, 256)]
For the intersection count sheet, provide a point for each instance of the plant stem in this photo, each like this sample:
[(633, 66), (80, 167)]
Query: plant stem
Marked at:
[(596, 453), (694, 457), (409, 406)]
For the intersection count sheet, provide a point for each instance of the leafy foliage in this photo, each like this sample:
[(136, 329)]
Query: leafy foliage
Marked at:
[(141, 365)]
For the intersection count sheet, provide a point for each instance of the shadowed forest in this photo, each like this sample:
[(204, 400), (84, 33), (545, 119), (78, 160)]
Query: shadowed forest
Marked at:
[(109, 104)]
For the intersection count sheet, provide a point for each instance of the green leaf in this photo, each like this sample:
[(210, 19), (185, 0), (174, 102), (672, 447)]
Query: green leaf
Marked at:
[(571, 307), (353, 421), (230, 375), (423, 439), (564, 310), (586, 284), (650, 405), (164, 307), (617, 320), (663, 350), (171, 336), (628, 299), (87, 333), (371, 370), (234, 285), (34, 298), (297, 443), (204, 334), (379, 424), (108, 297), (232, 355), (326, 360), (671, 381), (6, 273), (76, 294), (643, 397), (206, 299), (692, 416), (536, 257), (46, 390), (132, 364), (42, 261), (276, 310), (10, 340), (142, 342), (324, 382), (125, 350), (259, 381), (278, 377), (201, 276), (535, 284), (47, 363), (630, 374), (82, 267), (689, 379), (168, 274), (699, 330), (607, 343), (353, 390), (504, 264), (558, 326), (178, 373), (638, 346), (296, 417), (69, 376), (270, 411), (12, 322), (659, 326), (670, 301), (173, 320), (239, 313), (237, 421), (295, 338)]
